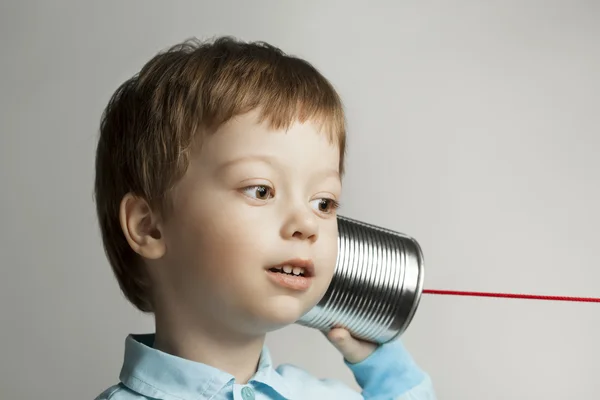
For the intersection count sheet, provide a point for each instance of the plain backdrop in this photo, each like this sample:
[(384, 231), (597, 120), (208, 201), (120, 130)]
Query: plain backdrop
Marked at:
[(474, 126)]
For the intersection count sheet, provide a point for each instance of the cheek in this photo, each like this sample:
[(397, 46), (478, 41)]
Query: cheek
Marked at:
[(215, 241), (328, 252)]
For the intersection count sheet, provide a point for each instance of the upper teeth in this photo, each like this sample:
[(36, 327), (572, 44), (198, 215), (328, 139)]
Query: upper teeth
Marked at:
[(288, 269)]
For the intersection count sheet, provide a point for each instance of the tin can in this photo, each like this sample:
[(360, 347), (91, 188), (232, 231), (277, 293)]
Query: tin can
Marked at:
[(376, 286)]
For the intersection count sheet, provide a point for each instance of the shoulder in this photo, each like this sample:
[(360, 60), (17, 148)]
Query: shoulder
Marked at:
[(305, 385), (118, 392)]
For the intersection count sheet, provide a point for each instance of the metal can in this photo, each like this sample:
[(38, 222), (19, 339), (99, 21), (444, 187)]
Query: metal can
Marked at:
[(376, 286)]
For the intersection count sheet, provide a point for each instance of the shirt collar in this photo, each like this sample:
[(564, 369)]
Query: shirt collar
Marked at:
[(160, 375), (267, 375)]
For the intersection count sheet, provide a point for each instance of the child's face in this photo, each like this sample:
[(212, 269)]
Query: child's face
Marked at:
[(252, 198)]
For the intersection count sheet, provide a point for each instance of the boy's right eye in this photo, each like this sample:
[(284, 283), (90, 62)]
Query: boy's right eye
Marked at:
[(259, 192)]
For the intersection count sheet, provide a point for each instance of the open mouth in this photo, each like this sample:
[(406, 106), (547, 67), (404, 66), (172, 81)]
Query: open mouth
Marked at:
[(294, 274)]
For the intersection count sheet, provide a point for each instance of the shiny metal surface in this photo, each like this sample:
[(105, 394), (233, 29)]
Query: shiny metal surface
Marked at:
[(377, 284)]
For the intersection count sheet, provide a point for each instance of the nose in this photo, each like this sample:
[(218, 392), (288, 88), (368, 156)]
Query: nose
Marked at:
[(301, 224)]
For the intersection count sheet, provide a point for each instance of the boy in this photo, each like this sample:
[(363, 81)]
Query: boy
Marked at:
[(218, 175)]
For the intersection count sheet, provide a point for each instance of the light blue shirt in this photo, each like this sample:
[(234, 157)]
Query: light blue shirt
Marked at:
[(388, 374)]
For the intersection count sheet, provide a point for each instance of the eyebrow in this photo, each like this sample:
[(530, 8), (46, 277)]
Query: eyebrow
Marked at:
[(334, 173), (253, 158), (269, 160)]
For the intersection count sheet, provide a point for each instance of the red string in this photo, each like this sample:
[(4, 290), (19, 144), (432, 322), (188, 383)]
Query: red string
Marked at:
[(512, 296)]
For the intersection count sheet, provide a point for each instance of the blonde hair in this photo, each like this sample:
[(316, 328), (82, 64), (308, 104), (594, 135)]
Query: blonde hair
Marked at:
[(192, 88)]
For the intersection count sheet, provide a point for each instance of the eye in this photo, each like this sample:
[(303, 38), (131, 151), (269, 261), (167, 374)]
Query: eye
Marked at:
[(326, 205), (259, 192)]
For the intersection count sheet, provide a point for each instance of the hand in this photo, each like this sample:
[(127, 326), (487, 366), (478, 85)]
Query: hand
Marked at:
[(354, 350)]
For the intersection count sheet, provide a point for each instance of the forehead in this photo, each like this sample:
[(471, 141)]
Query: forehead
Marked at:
[(244, 136)]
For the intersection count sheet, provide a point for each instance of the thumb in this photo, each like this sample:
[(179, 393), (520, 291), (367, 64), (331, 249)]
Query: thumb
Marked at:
[(353, 350)]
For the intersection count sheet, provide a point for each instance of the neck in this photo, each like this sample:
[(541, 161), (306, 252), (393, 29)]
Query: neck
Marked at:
[(208, 343)]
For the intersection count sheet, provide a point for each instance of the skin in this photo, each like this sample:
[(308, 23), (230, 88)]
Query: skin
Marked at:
[(252, 197)]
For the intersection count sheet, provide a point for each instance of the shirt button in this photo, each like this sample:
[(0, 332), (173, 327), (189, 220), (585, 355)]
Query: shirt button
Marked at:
[(247, 393)]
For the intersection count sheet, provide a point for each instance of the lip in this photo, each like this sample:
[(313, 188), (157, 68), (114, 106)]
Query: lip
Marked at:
[(308, 265), (297, 283)]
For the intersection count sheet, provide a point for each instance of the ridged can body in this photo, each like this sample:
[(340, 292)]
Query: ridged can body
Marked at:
[(376, 286)]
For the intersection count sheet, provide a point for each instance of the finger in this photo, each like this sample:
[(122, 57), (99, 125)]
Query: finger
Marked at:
[(353, 350)]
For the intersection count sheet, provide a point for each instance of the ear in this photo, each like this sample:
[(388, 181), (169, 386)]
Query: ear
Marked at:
[(141, 227)]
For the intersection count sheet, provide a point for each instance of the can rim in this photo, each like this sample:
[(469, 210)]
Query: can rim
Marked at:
[(418, 292)]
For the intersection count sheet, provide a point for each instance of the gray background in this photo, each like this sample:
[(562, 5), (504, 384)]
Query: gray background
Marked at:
[(474, 127)]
